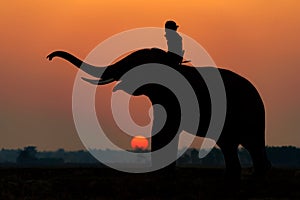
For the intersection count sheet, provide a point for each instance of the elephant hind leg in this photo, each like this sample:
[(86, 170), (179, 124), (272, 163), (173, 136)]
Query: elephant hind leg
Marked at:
[(261, 164), (233, 167)]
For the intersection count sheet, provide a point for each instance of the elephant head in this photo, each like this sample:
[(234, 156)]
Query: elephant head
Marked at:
[(115, 71), (158, 94)]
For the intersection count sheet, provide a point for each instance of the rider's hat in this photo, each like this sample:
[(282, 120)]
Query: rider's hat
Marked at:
[(171, 25)]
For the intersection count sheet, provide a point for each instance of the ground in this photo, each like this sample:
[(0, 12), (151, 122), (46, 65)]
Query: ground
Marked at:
[(103, 183)]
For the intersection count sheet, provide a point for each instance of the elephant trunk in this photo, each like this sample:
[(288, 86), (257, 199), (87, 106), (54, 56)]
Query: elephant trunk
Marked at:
[(90, 69)]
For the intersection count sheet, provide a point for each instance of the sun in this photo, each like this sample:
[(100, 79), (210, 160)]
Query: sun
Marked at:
[(139, 142)]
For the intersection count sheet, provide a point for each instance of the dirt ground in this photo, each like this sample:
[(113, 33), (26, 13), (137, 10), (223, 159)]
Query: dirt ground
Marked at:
[(103, 183)]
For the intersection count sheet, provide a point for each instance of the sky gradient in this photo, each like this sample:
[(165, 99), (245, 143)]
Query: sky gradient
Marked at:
[(257, 39)]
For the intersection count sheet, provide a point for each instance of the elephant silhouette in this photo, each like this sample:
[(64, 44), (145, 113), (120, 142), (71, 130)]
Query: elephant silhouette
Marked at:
[(245, 115)]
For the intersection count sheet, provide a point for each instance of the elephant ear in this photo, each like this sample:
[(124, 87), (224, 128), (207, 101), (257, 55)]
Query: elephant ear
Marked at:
[(98, 81)]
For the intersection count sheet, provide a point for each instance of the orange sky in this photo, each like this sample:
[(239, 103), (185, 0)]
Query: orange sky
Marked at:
[(258, 39)]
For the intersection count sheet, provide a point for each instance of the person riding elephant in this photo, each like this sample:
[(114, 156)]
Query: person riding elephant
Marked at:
[(174, 42)]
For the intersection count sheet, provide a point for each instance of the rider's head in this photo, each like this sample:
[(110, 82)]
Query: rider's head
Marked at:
[(171, 25)]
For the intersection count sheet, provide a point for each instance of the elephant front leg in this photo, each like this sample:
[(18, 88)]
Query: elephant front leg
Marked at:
[(166, 123), (164, 148), (165, 135)]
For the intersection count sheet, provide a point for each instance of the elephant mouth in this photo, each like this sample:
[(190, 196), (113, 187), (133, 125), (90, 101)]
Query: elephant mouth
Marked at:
[(99, 81)]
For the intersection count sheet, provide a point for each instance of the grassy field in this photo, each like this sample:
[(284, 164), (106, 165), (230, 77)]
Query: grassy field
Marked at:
[(103, 183)]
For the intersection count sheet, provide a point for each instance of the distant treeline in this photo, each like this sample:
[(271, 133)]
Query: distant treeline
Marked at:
[(286, 156)]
